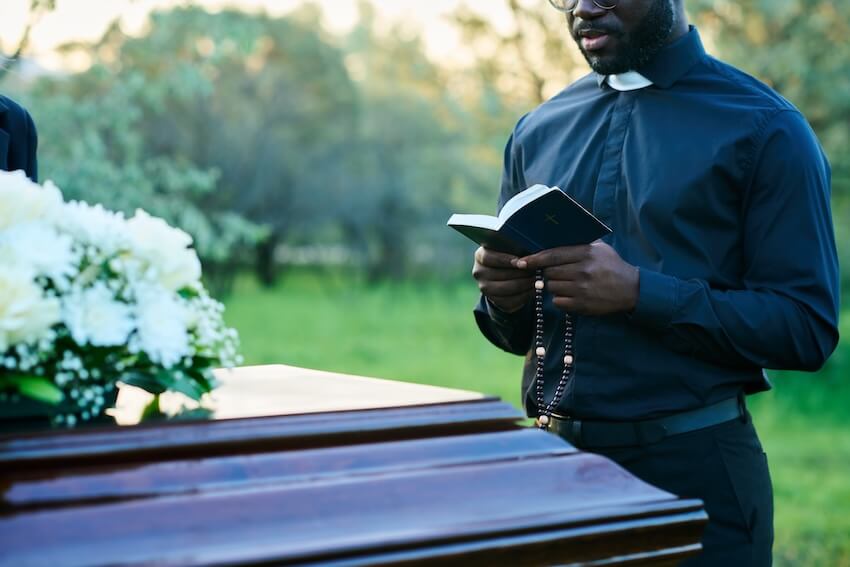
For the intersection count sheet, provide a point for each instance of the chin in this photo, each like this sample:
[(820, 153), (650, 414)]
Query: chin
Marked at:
[(606, 64)]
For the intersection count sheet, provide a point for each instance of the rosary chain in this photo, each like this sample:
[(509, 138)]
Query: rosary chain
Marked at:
[(545, 410)]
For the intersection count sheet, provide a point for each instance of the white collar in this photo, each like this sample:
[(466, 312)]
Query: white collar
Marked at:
[(628, 81)]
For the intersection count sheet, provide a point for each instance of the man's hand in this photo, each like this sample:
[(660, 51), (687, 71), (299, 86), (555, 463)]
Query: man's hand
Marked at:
[(588, 280), (506, 286)]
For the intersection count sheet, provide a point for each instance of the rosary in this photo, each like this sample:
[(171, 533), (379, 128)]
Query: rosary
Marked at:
[(545, 410)]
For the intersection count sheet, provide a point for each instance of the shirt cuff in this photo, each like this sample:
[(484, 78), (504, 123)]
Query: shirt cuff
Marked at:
[(656, 299), (503, 318)]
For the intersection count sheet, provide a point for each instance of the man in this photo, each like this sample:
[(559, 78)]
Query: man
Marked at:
[(18, 139), (721, 263)]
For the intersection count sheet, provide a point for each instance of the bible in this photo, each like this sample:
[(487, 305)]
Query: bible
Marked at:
[(536, 219)]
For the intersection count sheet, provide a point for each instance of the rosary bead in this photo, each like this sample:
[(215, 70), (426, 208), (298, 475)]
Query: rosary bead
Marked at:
[(543, 419), (540, 351), (539, 284), (568, 359)]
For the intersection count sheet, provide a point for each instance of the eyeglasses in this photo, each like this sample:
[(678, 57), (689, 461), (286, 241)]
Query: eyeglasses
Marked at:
[(568, 6)]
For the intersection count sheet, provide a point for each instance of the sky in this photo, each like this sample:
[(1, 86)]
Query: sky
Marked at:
[(87, 20)]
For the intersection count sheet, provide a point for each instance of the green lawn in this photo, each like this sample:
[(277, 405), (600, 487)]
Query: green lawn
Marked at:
[(425, 333)]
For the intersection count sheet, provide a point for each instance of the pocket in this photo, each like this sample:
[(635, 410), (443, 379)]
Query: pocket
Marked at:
[(745, 466)]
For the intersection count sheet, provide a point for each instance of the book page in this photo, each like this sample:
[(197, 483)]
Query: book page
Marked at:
[(519, 200), (483, 221)]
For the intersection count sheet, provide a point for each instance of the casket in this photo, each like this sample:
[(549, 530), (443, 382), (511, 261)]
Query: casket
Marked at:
[(301, 467)]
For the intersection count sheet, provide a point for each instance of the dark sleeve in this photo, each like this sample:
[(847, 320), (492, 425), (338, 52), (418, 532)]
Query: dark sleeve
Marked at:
[(785, 314), (31, 167), (511, 332)]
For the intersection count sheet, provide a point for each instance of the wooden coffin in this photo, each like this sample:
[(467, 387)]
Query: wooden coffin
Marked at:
[(308, 468)]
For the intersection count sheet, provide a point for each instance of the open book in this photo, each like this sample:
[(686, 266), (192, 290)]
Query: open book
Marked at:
[(536, 219)]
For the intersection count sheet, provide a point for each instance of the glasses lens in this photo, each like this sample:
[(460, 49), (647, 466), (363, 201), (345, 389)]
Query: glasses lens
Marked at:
[(563, 5), (570, 5)]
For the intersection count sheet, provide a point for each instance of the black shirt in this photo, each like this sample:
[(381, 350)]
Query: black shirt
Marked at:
[(717, 189)]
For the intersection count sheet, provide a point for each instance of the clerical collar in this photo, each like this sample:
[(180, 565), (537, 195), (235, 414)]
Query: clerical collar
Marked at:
[(670, 64), (628, 81)]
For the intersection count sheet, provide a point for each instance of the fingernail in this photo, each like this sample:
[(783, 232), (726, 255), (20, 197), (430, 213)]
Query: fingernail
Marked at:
[(521, 264)]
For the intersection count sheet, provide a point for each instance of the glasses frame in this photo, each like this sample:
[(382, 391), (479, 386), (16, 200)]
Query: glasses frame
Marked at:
[(610, 5)]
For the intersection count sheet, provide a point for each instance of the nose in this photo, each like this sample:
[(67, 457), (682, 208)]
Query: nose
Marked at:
[(588, 10)]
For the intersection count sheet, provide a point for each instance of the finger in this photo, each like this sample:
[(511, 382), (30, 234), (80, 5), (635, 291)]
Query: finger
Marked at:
[(567, 272), (568, 289), (506, 288), (494, 259), (554, 257), (569, 304), (482, 274)]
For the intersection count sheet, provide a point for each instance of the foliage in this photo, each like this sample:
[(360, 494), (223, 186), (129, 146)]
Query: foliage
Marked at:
[(265, 102), (37, 9), (409, 159)]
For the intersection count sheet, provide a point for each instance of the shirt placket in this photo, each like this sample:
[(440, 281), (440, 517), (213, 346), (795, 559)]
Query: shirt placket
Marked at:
[(604, 196), (612, 159)]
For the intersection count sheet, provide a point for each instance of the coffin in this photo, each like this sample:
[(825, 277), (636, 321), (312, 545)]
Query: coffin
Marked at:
[(300, 467)]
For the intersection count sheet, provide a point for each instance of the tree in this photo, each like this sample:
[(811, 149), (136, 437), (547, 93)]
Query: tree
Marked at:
[(410, 157), (528, 63), (266, 102), (37, 10)]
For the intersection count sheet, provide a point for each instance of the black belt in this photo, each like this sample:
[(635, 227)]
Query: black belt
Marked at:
[(586, 433)]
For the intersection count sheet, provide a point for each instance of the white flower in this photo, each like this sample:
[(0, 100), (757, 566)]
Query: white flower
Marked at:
[(25, 313), (161, 321), (23, 201), (165, 249), (38, 247), (94, 317), (94, 226)]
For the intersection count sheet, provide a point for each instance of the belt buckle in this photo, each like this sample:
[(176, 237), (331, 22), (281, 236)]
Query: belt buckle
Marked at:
[(575, 432), (569, 428)]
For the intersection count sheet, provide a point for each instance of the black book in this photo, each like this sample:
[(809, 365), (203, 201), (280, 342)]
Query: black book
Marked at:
[(536, 219)]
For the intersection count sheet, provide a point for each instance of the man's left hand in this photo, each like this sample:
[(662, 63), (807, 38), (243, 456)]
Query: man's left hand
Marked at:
[(587, 280)]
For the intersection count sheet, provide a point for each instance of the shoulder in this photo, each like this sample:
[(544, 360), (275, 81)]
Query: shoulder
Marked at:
[(740, 97), (14, 118), (729, 82), (550, 113)]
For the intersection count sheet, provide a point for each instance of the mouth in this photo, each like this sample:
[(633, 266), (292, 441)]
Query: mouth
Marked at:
[(593, 40)]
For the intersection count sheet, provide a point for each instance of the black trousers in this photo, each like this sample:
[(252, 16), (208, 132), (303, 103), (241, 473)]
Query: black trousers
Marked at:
[(725, 467)]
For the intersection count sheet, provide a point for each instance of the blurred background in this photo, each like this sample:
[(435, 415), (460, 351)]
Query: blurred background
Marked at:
[(315, 150)]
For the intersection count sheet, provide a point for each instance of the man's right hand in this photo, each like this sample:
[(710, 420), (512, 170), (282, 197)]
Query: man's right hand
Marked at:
[(506, 287)]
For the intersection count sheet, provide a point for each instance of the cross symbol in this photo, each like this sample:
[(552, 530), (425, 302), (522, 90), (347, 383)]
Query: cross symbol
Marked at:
[(552, 219)]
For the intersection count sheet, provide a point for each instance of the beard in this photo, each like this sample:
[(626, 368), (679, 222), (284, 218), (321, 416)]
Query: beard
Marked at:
[(634, 49)]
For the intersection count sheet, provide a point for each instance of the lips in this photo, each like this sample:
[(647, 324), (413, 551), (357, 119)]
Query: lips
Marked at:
[(594, 40)]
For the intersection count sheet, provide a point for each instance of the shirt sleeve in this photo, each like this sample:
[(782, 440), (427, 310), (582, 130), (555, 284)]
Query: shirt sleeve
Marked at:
[(31, 167), (785, 313), (511, 332)]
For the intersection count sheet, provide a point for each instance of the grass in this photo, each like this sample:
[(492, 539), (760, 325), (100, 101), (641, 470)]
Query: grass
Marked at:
[(425, 333)]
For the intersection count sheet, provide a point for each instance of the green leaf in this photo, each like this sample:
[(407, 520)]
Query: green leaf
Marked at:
[(184, 414), (146, 382), (183, 384), (205, 378), (35, 387), (152, 411)]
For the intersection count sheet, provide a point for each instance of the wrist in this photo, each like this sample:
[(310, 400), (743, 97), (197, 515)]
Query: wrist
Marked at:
[(632, 288), (513, 307)]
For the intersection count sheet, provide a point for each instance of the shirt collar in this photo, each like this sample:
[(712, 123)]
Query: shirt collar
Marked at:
[(628, 81), (671, 63)]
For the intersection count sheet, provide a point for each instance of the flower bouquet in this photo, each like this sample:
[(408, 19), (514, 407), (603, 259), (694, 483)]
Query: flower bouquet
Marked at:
[(90, 299)]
